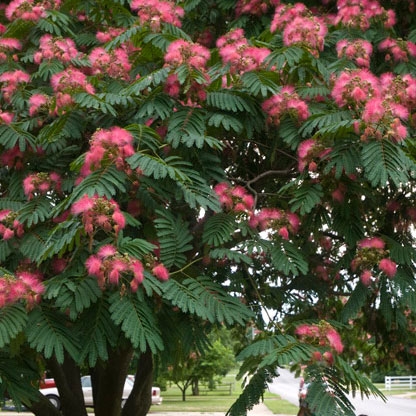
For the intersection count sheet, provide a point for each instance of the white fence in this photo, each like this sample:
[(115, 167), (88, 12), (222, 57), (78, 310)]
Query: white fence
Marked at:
[(400, 382)]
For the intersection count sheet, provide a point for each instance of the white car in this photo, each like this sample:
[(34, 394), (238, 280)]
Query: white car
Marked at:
[(53, 395)]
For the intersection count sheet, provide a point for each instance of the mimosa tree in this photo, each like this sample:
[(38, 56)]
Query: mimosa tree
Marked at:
[(169, 166)]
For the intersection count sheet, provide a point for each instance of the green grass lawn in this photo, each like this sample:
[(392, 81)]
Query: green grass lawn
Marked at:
[(215, 401)]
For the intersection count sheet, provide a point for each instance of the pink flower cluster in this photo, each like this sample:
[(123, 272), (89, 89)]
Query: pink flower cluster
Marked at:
[(309, 153), (360, 14), (67, 82), (195, 56), (236, 51), (371, 252), (7, 46), (156, 12), (12, 158), (183, 52), (397, 49), (30, 9), (113, 63), (111, 145), (324, 333), (254, 7), (109, 267), (357, 50), (380, 112), (99, 213), (287, 102), (9, 226), (6, 117), (273, 219), (354, 88), (11, 81), (37, 102), (41, 183), (234, 198), (62, 49), (300, 27), (109, 34), (24, 286)]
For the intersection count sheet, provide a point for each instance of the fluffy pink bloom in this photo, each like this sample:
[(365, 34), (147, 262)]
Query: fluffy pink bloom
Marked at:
[(307, 330), (107, 250), (156, 12), (85, 203), (93, 265), (334, 340), (36, 101), (6, 117), (388, 267), (161, 272), (114, 63), (372, 242), (366, 277), (236, 51)]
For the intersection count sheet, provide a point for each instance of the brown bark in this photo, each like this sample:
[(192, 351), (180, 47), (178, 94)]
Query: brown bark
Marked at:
[(43, 407), (140, 400), (68, 381), (108, 382)]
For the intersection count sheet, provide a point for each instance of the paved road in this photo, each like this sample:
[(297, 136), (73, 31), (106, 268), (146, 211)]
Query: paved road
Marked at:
[(287, 386)]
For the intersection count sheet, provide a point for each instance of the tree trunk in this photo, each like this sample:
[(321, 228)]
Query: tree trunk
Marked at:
[(68, 381), (140, 400), (108, 381), (195, 387), (43, 407)]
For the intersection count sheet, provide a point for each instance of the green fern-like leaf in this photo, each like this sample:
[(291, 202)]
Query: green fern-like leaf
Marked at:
[(384, 161), (103, 182), (206, 299), (252, 393), (145, 137), (186, 126), (137, 321), (153, 80), (260, 83), (355, 302), (73, 294), (34, 243), (218, 229), (343, 159), (47, 69), (323, 120), (229, 101), (231, 255), (89, 101), (159, 168), (6, 248), (156, 105), (48, 333), (13, 319), (102, 333), (174, 238), (35, 211), (197, 193), (288, 259), (63, 238), (13, 135), (227, 121), (285, 58), (136, 247), (289, 132), (306, 197)]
